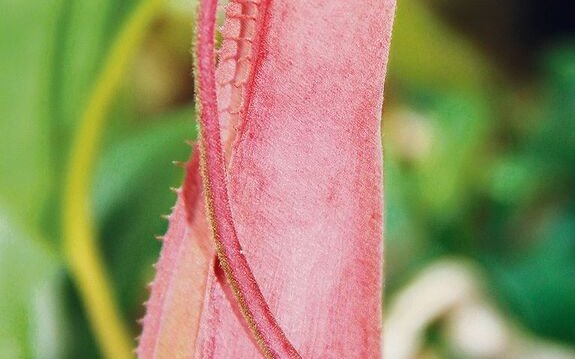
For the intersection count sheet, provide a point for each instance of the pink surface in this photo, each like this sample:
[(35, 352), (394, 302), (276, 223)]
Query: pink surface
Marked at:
[(298, 205), (248, 296), (173, 310)]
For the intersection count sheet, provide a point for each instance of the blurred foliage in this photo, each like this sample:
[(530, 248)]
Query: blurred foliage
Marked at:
[(477, 166)]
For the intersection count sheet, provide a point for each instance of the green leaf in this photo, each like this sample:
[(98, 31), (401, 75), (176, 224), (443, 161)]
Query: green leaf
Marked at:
[(29, 304), (85, 32), (538, 287), (453, 167), (26, 36)]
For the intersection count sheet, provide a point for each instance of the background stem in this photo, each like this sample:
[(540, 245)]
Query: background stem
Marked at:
[(83, 256)]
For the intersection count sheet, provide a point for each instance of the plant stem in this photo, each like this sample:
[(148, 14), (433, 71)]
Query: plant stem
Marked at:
[(80, 243)]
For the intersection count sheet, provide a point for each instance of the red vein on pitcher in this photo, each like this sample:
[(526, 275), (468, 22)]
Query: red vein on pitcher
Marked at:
[(261, 321)]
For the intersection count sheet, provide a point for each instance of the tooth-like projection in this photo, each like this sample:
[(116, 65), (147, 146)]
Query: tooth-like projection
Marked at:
[(171, 322)]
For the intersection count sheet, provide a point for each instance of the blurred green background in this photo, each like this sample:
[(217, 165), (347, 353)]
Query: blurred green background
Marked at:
[(479, 133)]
